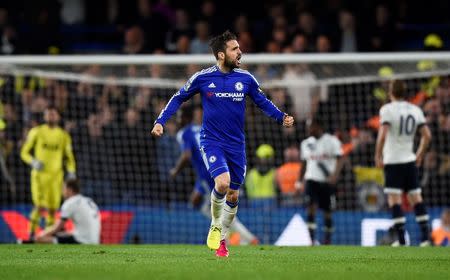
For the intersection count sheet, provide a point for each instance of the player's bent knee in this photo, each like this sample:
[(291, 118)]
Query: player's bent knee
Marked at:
[(232, 196), (222, 182)]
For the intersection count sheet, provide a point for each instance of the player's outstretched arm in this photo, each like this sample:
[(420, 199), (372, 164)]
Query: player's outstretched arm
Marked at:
[(157, 130)]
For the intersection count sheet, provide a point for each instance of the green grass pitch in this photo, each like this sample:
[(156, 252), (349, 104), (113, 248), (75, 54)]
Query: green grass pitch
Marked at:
[(197, 262)]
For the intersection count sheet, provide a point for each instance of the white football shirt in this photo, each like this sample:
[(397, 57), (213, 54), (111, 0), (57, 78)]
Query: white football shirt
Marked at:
[(403, 118), (321, 156), (86, 218)]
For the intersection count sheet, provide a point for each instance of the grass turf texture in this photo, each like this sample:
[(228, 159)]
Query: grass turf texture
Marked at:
[(197, 262)]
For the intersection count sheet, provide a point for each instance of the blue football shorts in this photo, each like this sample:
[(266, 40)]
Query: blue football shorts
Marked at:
[(219, 160)]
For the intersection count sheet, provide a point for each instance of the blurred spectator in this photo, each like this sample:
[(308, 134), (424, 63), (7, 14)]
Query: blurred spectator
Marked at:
[(183, 45), (200, 42), (349, 39), (72, 11), (261, 28), (164, 8), (306, 24), (181, 27), (443, 93), (260, 180), (132, 154), (134, 41), (141, 101), (441, 235), (245, 41), (241, 24), (323, 44), (300, 84), (273, 47), (382, 34), (113, 96), (60, 94), (282, 100), (299, 43), (287, 174), (91, 149), (279, 35), (9, 42), (13, 127), (82, 102), (153, 24), (209, 14)]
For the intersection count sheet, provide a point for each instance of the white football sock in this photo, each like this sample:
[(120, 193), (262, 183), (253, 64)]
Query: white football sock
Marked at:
[(228, 215), (217, 205)]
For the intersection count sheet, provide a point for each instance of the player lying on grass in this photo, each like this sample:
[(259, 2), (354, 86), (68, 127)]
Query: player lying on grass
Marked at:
[(84, 214)]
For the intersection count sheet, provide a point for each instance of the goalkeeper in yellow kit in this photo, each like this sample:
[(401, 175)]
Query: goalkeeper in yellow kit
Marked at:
[(47, 148)]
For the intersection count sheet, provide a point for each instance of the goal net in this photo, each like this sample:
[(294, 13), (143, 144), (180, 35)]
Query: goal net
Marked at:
[(108, 105)]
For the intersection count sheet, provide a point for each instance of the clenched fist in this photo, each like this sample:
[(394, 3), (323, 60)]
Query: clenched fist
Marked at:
[(288, 121), (157, 130)]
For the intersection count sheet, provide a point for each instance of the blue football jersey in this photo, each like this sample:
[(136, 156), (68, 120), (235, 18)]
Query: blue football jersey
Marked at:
[(189, 139), (223, 99)]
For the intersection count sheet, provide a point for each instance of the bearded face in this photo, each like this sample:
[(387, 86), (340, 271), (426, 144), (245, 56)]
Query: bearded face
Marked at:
[(232, 62), (233, 55)]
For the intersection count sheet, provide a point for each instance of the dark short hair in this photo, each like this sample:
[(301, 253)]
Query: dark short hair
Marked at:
[(74, 185), (219, 43), (398, 88)]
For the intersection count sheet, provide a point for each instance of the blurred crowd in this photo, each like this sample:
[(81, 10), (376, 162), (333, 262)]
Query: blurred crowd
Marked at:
[(119, 162), (180, 27)]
